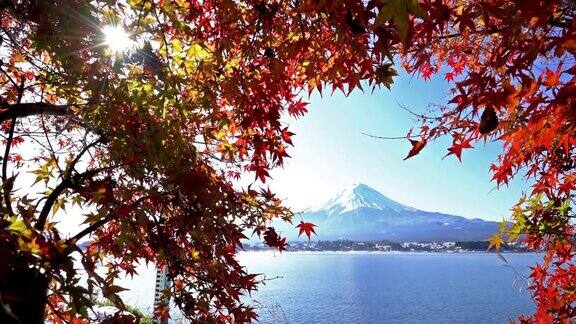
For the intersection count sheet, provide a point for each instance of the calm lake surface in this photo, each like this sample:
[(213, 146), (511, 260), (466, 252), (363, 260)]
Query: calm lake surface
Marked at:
[(330, 287)]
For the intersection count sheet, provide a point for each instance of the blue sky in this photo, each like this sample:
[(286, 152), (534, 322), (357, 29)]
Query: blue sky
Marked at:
[(330, 153)]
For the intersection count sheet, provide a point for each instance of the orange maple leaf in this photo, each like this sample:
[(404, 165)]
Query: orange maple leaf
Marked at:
[(552, 78)]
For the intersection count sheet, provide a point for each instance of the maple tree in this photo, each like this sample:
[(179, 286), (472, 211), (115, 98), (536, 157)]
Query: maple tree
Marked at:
[(147, 145), (511, 65)]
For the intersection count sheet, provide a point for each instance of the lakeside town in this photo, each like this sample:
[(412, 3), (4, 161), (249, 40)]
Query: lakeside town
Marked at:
[(388, 246)]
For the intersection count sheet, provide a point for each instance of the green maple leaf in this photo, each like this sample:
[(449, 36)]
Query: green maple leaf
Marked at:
[(398, 11), (384, 75), (17, 225)]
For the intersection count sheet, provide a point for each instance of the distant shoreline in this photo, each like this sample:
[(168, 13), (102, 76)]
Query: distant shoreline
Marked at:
[(396, 247), (491, 252)]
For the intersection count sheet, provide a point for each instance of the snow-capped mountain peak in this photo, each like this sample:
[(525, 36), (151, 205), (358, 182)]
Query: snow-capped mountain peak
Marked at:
[(362, 213), (359, 196)]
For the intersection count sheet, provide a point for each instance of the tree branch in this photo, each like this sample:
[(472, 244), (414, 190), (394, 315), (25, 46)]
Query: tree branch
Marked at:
[(66, 183), (485, 32), (6, 188), (390, 137), (68, 173), (91, 228), (8, 112), (101, 222), (30, 109), (50, 201)]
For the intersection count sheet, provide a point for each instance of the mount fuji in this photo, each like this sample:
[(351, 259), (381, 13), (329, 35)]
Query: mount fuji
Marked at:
[(362, 213)]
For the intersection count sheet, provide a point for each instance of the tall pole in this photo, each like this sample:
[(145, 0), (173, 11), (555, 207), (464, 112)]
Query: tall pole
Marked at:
[(162, 283)]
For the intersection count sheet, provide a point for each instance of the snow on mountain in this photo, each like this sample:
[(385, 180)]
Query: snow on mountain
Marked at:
[(362, 213), (359, 196)]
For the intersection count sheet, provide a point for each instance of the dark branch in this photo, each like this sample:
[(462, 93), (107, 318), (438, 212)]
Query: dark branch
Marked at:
[(91, 228), (101, 222), (485, 32), (30, 109), (7, 188), (79, 156), (8, 112), (65, 184)]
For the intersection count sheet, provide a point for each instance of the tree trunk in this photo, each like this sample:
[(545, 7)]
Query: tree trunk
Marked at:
[(23, 294)]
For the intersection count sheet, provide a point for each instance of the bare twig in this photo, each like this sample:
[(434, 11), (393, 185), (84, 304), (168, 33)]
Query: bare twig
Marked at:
[(416, 114), (390, 137)]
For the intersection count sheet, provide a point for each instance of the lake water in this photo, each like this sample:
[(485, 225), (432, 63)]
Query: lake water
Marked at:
[(332, 287)]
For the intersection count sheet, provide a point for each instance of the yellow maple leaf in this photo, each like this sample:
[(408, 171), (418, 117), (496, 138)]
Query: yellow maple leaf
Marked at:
[(495, 241)]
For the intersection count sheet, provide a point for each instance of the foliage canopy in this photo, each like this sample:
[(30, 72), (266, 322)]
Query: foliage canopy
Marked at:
[(147, 143)]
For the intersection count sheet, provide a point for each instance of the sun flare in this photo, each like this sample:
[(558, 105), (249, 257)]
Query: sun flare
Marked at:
[(116, 38)]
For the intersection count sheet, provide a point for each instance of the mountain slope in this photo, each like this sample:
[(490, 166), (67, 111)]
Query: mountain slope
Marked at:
[(362, 213), (359, 196)]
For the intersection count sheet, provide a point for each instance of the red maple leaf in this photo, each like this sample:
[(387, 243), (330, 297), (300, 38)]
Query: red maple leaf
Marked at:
[(426, 71), (286, 136), (306, 228), (458, 146), (417, 146), (272, 239)]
